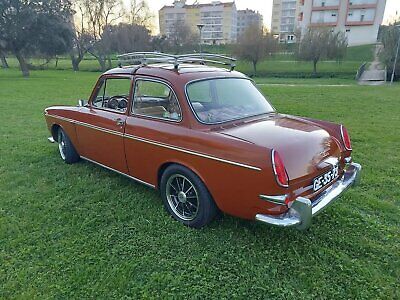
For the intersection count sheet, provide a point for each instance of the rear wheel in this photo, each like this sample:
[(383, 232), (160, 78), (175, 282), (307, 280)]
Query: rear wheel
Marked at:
[(186, 197), (65, 147)]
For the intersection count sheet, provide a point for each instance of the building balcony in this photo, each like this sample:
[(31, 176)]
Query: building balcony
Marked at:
[(362, 3), (361, 6), (359, 23), (323, 24), (320, 8)]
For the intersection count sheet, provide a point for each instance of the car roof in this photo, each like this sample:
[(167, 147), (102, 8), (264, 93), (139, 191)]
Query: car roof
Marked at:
[(184, 72)]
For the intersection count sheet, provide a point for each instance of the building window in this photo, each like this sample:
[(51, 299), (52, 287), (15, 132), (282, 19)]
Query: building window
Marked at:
[(347, 30)]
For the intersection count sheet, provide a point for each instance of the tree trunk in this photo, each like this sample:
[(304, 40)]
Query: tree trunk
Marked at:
[(109, 62), (22, 64), (102, 63), (4, 63), (315, 67), (75, 61), (255, 68)]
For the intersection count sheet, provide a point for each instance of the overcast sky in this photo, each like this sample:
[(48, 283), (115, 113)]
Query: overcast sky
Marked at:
[(265, 8)]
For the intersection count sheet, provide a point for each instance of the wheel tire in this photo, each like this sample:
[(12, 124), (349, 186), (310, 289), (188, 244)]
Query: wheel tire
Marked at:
[(206, 207), (66, 149)]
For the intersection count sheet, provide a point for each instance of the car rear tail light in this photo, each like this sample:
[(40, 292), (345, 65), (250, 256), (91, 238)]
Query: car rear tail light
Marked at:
[(345, 137), (279, 169)]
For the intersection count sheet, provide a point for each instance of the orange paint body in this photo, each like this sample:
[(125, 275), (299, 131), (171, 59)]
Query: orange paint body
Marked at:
[(233, 159)]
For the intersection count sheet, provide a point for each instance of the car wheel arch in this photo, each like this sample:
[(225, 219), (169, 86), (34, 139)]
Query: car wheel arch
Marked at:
[(54, 131), (165, 165)]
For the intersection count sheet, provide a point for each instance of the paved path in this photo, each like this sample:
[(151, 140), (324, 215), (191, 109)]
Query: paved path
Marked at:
[(375, 74)]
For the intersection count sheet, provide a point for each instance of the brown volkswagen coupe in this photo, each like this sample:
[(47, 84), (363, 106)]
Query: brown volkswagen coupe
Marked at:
[(208, 140)]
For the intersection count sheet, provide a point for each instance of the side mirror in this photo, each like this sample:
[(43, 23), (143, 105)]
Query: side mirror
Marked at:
[(82, 102)]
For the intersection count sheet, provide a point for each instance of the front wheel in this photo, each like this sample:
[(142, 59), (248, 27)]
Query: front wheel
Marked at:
[(65, 147), (186, 198)]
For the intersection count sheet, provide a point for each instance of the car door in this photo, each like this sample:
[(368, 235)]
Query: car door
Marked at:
[(155, 118), (101, 125)]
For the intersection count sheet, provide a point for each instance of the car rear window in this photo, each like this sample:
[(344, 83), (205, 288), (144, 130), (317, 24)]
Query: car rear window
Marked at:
[(226, 99)]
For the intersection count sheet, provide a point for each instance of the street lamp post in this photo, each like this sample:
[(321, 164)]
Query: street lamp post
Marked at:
[(395, 58), (200, 27)]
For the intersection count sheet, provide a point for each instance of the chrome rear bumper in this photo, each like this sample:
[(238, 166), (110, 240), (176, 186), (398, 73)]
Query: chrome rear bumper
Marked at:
[(302, 210)]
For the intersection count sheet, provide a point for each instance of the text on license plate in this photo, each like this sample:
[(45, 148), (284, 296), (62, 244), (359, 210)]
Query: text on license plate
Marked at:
[(324, 179)]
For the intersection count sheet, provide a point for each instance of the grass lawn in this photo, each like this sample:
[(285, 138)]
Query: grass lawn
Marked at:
[(79, 231)]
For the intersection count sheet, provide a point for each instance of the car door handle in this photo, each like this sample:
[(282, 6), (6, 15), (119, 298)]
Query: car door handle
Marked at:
[(119, 122)]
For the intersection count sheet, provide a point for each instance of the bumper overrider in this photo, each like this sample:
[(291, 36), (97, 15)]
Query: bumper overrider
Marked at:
[(302, 210)]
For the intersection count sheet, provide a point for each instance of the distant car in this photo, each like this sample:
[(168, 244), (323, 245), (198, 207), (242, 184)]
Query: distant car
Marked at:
[(208, 140)]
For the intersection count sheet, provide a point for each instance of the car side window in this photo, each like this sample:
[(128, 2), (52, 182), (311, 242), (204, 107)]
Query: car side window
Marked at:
[(113, 94), (156, 99)]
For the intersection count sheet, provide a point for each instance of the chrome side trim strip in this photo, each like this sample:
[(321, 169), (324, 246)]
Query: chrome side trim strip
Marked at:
[(88, 125), (190, 152), (136, 138), (278, 199), (126, 175)]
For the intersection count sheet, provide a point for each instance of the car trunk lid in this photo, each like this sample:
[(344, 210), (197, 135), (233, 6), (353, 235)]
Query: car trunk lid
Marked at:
[(303, 146)]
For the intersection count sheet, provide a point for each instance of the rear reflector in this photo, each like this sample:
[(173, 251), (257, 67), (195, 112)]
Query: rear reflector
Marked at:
[(279, 169)]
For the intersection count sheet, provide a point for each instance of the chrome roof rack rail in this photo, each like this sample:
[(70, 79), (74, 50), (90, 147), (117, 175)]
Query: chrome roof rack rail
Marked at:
[(143, 58)]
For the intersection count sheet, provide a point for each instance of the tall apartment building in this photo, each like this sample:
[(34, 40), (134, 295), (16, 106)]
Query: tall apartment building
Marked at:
[(358, 19), (246, 18), (220, 20)]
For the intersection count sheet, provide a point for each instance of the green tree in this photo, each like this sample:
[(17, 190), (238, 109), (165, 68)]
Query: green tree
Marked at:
[(35, 27), (389, 38), (254, 44), (321, 43)]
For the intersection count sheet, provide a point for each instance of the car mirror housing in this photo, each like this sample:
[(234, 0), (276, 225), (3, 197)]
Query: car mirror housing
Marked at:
[(82, 102)]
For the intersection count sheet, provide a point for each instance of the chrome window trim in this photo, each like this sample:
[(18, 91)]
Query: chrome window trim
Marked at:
[(222, 77), (275, 173), (104, 80), (119, 172), (132, 113), (344, 144), (144, 140)]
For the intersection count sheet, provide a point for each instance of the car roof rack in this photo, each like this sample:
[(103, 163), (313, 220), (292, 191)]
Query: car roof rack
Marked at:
[(144, 58)]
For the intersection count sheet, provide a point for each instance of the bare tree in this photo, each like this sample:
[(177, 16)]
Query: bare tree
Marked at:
[(124, 37), (97, 16), (181, 35), (82, 39), (254, 44), (321, 43), (139, 13)]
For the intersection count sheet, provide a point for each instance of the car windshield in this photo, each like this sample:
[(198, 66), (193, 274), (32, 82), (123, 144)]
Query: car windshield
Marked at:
[(226, 99)]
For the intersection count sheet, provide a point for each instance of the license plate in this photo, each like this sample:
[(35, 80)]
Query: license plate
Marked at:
[(325, 179)]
